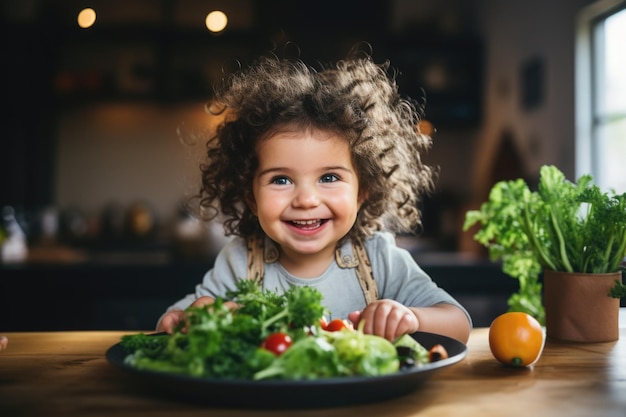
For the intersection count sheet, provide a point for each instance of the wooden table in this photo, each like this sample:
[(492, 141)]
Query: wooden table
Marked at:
[(66, 374)]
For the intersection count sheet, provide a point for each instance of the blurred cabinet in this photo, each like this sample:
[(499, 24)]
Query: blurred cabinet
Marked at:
[(443, 72), (91, 296), (132, 296), (163, 65)]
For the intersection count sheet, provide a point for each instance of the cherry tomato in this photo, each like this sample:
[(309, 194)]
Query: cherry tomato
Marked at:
[(323, 323), (516, 339), (338, 324), (437, 353), (277, 343)]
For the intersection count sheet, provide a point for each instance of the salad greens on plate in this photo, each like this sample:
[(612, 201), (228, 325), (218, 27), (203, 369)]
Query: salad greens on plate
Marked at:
[(269, 336)]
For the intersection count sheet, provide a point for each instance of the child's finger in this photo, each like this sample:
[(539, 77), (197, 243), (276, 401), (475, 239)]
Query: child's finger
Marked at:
[(170, 321), (354, 317), (4, 343)]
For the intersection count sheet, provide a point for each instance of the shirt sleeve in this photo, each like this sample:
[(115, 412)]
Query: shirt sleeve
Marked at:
[(229, 267)]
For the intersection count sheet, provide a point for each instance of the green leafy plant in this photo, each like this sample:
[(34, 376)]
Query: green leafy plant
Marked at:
[(562, 226), (3, 234)]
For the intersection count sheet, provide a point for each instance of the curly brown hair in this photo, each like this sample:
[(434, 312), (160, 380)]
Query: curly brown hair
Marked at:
[(356, 99)]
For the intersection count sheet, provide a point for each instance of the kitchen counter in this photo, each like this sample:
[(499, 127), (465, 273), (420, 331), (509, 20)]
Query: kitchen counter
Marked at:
[(66, 374)]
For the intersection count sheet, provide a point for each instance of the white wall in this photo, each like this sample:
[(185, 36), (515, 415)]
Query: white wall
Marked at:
[(126, 153), (514, 32)]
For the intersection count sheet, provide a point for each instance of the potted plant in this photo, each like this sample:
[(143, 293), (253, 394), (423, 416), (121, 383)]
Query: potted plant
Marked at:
[(572, 232)]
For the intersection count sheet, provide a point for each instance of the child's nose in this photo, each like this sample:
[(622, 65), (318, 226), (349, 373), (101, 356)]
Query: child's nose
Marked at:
[(306, 196)]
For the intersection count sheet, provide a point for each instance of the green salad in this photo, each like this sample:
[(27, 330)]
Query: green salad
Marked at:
[(270, 336)]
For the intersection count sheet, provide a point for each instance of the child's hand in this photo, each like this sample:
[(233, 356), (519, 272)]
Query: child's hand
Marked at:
[(4, 342), (170, 320), (173, 318), (386, 318)]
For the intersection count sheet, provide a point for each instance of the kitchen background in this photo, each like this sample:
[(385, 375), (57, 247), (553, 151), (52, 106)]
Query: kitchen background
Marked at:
[(95, 169)]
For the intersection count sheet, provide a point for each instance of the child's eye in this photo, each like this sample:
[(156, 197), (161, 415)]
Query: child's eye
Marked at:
[(280, 181), (329, 178)]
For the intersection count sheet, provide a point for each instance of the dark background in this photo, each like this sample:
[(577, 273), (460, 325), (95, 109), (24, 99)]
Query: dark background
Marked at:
[(497, 78)]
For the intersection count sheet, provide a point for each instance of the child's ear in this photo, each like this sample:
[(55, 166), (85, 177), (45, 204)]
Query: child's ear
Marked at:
[(363, 194)]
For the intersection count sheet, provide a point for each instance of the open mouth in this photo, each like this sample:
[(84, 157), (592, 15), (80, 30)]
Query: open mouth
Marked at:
[(308, 224)]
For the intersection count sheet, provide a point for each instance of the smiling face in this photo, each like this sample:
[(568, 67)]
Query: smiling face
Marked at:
[(306, 196)]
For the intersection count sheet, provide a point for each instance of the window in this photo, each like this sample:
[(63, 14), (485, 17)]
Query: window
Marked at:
[(601, 94)]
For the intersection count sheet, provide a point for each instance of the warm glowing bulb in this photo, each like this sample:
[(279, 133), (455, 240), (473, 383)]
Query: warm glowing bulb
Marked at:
[(86, 18), (426, 127), (216, 21)]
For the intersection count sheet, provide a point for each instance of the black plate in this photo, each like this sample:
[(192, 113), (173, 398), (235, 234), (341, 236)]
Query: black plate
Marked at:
[(327, 392)]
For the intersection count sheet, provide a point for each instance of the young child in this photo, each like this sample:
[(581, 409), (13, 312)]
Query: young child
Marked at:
[(312, 171)]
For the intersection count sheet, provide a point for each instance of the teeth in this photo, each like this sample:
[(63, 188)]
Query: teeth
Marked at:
[(305, 222)]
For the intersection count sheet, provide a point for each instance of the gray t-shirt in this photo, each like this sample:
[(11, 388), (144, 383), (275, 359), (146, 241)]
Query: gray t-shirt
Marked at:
[(397, 276)]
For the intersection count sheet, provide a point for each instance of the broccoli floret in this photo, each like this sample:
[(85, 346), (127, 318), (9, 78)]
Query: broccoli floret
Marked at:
[(150, 345)]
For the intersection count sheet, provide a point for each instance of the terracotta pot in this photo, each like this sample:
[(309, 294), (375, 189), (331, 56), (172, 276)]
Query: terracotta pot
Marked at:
[(578, 308)]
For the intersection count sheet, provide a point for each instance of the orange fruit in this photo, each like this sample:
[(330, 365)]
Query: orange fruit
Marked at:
[(516, 339)]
